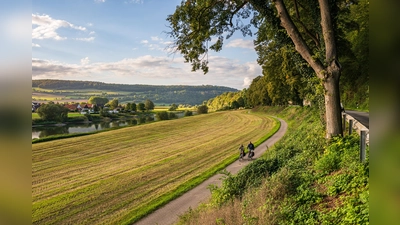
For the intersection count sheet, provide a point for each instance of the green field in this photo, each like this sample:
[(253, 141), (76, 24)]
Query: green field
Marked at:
[(119, 176)]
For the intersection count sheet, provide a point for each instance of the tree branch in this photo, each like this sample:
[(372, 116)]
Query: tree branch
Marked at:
[(313, 37), (298, 41), (236, 10)]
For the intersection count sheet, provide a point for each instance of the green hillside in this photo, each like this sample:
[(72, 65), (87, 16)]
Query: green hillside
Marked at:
[(64, 90), (303, 179)]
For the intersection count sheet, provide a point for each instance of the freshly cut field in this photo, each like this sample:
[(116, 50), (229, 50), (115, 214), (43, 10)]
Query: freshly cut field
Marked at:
[(116, 177)]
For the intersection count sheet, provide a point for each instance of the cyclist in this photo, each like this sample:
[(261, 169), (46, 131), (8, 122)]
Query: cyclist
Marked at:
[(250, 146), (241, 150)]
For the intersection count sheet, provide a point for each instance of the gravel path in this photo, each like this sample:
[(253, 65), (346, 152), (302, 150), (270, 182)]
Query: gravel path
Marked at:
[(169, 214)]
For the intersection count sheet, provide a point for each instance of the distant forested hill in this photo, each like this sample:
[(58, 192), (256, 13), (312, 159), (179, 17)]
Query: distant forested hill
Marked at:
[(166, 94)]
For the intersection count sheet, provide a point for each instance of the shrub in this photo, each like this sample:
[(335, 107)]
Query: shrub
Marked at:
[(188, 113), (172, 115), (53, 112), (203, 109), (163, 115)]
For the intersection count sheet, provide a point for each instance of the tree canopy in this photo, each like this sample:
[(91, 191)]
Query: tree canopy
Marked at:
[(98, 100), (53, 112), (148, 104), (310, 27)]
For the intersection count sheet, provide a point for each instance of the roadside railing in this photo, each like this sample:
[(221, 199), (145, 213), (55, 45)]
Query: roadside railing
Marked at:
[(354, 125)]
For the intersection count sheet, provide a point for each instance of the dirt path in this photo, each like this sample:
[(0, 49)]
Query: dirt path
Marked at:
[(169, 214)]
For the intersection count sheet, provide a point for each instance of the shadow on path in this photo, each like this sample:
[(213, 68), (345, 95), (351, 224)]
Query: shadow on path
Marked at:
[(169, 214)]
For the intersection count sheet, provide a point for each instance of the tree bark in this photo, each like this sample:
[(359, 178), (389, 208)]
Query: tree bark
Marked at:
[(329, 74), (332, 103)]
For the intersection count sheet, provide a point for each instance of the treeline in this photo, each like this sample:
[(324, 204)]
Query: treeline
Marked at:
[(287, 79), (167, 94)]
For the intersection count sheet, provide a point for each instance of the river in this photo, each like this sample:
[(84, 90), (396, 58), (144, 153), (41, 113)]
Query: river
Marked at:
[(49, 130)]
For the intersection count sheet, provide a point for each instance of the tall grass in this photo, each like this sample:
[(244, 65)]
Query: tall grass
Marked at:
[(119, 176), (303, 179)]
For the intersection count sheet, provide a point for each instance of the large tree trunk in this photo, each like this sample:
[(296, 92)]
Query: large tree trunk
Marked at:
[(330, 74), (332, 103)]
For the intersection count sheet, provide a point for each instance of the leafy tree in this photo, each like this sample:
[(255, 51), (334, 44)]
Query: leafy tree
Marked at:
[(53, 112), (97, 100), (113, 103), (172, 115), (96, 108), (141, 107), (133, 107), (257, 94), (173, 107), (241, 102), (235, 105), (311, 26), (163, 115), (203, 109), (149, 105), (188, 113)]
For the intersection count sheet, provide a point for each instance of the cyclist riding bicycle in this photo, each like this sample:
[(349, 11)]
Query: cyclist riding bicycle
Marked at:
[(250, 146), (241, 150)]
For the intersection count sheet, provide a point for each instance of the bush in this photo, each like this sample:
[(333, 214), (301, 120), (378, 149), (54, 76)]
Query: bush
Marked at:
[(53, 112), (251, 176), (203, 109), (172, 115), (188, 113), (162, 115)]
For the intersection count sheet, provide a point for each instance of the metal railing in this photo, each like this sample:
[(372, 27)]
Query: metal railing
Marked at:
[(354, 125)]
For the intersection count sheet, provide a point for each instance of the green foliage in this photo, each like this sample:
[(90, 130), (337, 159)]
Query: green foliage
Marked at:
[(194, 23), (173, 107), (113, 103), (188, 113), (257, 94), (234, 186), (97, 100), (227, 100), (172, 115), (53, 112), (148, 105), (203, 109), (141, 107), (160, 94), (163, 115), (133, 107), (303, 179)]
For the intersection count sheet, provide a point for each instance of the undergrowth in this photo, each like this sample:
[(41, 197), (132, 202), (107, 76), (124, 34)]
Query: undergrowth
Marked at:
[(303, 179)]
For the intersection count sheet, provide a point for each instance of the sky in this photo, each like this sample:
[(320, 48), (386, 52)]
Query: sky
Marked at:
[(125, 42)]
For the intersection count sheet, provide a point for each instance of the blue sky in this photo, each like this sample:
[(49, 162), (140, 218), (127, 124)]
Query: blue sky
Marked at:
[(124, 41)]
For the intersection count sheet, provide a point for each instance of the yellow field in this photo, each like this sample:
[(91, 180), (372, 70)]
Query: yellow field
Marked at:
[(111, 177)]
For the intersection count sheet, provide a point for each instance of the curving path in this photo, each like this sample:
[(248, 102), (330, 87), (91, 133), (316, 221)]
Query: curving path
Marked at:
[(169, 214)]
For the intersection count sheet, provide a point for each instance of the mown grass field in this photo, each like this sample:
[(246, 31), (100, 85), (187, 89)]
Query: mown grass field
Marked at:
[(119, 176)]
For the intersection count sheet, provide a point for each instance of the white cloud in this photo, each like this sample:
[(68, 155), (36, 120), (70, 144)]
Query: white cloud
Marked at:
[(240, 43), (144, 42), (150, 70), (85, 39), (247, 81), (85, 61), (46, 27), (156, 39), (35, 45), (135, 1), (101, 1)]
